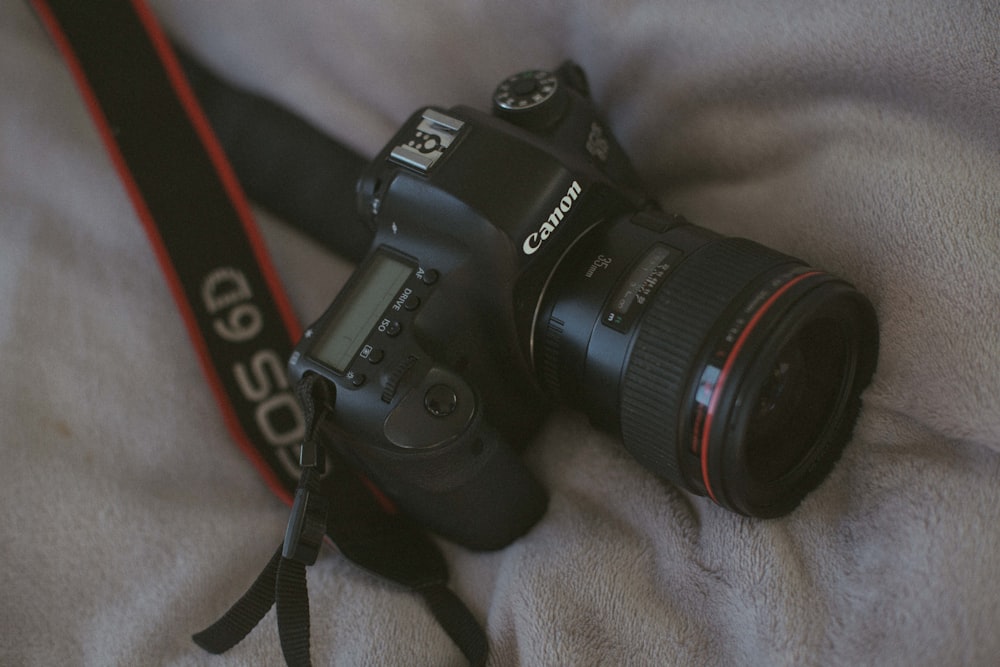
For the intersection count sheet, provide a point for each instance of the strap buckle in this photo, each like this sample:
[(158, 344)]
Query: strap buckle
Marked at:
[(306, 525)]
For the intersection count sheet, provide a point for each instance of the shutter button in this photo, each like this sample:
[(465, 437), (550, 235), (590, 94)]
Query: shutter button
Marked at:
[(440, 400)]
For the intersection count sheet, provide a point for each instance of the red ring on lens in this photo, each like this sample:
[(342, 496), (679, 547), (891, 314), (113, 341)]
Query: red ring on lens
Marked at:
[(727, 367)]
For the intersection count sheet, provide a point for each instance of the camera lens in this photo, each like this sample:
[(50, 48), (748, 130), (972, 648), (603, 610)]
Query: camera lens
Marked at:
[(799, 392), (727, 367)]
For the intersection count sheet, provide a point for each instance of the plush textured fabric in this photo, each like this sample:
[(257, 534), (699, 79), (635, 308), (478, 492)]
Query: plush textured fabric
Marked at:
[(860, 136)]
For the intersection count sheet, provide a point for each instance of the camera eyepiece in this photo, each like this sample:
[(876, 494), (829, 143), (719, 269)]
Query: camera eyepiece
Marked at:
[(738, 372)]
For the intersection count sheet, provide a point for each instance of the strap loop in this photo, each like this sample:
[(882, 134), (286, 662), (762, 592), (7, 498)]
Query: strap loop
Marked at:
[(458, 622), (283, 581), (245, 613), (307, 523), (292, 598), (306, 527)]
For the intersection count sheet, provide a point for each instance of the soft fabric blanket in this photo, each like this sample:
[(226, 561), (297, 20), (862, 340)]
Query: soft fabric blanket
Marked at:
[(862, 136)]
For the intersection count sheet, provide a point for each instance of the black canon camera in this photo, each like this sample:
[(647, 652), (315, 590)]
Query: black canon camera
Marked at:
[(518, 261)]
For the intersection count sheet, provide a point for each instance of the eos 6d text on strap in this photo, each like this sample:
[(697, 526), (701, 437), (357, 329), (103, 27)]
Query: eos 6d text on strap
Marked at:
[(239, 320), (196, 217)]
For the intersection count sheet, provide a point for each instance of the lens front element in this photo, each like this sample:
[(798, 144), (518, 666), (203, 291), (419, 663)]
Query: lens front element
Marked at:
[(800, 393)]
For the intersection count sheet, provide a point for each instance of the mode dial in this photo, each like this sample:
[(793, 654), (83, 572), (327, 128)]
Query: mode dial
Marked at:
[(533, 99)]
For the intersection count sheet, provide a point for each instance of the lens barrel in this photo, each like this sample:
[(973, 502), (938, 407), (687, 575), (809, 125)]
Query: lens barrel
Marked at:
[(727, 367)]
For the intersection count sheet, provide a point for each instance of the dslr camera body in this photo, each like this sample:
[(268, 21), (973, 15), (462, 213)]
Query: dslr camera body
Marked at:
[(517, 261)]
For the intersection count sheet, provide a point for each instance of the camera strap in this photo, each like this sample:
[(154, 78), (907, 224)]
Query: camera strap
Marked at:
[(202, 231)]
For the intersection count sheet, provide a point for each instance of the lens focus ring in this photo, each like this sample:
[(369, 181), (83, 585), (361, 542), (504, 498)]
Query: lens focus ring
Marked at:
[(673, 331)]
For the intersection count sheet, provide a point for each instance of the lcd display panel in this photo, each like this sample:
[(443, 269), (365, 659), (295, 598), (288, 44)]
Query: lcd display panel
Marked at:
[(371, 293)]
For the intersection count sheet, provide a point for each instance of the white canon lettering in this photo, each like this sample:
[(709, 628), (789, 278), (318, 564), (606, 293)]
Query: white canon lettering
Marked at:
[(534, 240), (531, 244)]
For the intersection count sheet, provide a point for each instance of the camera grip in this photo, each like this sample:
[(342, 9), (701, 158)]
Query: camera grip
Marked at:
[(496, 503), (452, 470)]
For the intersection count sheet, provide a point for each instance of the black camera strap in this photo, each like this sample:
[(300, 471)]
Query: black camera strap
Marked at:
[(238, 318)]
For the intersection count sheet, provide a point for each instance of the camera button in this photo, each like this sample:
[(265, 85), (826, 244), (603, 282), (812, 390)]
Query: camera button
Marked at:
[(435, 410), (356, 379), (392, 328), (440, 400), (375, 356), (430, 277), (412, 303)]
